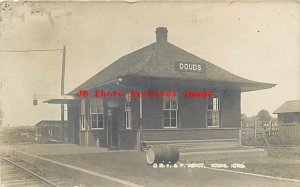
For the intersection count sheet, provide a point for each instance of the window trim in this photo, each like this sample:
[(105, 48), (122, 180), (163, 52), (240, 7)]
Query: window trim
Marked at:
[(170, 109), (96, 113)]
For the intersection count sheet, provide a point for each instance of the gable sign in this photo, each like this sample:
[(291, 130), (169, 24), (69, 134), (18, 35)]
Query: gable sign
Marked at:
[(190, 67)]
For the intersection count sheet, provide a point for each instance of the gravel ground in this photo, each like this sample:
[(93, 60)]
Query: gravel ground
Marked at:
[(132, 166)]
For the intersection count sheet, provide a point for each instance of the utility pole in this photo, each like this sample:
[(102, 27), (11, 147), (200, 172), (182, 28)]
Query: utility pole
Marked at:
[(62, 90), (35, 101)]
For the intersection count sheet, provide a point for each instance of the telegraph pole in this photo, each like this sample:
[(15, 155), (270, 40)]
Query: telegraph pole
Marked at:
[(62, 90)]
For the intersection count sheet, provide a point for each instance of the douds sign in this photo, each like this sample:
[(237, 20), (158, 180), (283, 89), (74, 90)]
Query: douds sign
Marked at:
[(189, 67)]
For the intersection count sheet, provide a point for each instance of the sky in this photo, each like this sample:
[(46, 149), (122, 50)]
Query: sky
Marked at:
[(257, 41)]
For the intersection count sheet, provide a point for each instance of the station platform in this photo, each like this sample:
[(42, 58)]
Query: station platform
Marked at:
[(94, 166), (46, 150), (56, 149)]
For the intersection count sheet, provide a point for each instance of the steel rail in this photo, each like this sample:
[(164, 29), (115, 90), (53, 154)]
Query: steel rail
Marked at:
[(34, 175)]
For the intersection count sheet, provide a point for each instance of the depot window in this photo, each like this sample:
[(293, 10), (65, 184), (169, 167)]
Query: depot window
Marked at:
[(82, 115), (213, 111), (128, 111), (170, 109), (96, 111)]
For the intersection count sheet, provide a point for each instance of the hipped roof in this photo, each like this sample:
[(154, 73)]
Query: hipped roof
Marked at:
[(158, 60), (288, 107)]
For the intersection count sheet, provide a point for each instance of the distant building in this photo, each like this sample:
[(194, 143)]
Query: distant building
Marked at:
[(289, 121), (52, 129)]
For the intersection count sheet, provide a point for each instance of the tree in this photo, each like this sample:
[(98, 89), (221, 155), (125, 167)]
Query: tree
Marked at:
[(244, 118), (263, 115)]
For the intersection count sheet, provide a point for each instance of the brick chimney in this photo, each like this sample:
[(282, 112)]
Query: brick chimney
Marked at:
[(161, 34)]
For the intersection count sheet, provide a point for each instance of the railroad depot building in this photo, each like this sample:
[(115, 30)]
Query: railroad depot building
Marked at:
[(182, 98)]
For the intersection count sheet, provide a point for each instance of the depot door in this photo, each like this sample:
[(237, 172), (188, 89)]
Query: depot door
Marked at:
[(114, 127), (113, 130)]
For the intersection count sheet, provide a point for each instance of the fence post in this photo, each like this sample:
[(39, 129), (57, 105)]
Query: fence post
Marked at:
[(138, 140), (255, 123), (269, 127), (240, 137)]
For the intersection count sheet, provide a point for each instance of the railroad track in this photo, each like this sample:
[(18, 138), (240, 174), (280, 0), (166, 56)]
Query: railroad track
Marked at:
[(13, 174)]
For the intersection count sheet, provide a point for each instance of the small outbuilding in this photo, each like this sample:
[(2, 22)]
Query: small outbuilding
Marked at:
[(289, 121), (52, 129)]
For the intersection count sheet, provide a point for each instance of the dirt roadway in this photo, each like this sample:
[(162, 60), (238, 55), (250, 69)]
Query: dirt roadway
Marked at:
[(132, 167)]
